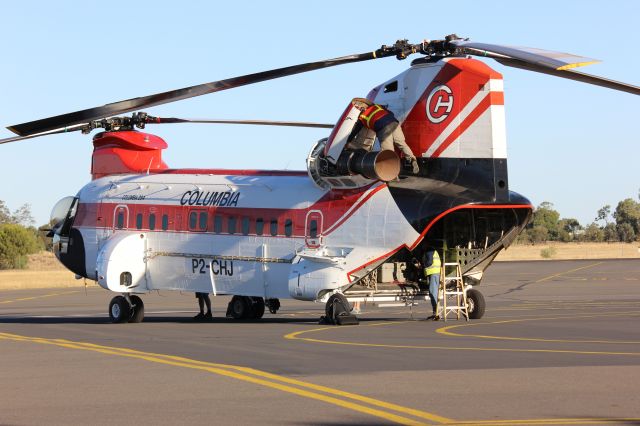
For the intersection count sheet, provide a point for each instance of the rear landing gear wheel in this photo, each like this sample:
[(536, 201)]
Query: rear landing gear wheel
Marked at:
[(119, 310), (257, 308), (475, 304), (239, 307), (338, 311), (137, 309)]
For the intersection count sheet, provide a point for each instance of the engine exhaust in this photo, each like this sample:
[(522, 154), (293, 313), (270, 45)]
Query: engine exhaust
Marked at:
[(382, 165)]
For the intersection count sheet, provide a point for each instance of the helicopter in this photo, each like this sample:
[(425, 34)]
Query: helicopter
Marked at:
[(352, 227)]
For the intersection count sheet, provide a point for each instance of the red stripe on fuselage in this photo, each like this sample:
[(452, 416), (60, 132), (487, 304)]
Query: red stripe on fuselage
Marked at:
[(336, 206)]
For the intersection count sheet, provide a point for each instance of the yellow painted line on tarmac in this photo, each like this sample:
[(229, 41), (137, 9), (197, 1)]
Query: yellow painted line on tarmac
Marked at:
[(297, 336), (447, 330), (256, 377), (567, 272), (22, 299)]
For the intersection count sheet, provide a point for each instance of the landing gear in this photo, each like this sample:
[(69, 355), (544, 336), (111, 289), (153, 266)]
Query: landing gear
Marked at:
[(475, 304), (137, 309), (273, 305), (338, 311), (126, 309), (246, 307), (119, 310)]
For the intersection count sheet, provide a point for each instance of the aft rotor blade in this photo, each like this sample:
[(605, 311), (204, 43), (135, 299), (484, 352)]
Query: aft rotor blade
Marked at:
[(50, 132), (572, 75), (530, 55), (108, 110), (162, 120)]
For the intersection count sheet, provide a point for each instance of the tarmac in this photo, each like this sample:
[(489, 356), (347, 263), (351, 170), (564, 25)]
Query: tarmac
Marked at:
[(559, 345)]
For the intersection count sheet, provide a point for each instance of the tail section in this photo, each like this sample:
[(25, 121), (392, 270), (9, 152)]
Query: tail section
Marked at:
[(451, 108)]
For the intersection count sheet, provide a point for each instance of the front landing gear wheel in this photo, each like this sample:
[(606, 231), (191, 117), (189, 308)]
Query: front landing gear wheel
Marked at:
[(475, 304), (119, 310), (137, 309)]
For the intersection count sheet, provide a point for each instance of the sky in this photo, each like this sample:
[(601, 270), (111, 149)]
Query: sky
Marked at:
[(571, 144)]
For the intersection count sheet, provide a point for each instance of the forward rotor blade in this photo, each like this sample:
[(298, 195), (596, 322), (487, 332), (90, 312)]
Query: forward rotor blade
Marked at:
[(572, 75), (108, 110), (50, 132), (530, 55), (162, 120)]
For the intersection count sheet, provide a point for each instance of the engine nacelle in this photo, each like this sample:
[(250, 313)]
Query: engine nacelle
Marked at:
[(353, 169)]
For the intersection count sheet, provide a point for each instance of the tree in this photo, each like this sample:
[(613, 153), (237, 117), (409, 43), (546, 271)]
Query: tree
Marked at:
[(5, 214), (538, 234), (21, 216), (16, 242), (610, 233), (626, 233), (628, 211), (545, 216), (593, 233), (604, 213)]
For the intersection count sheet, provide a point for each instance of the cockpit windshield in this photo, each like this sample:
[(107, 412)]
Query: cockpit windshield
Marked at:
[(63, 213)]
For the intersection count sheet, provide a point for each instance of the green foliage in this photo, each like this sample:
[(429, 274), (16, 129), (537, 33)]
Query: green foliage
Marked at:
[(548, 252), (538, 234), (604, 213), (545, 216), (593, 233), (628, 212), (21, 216), (610, 233), (626, 233), (16, 242)]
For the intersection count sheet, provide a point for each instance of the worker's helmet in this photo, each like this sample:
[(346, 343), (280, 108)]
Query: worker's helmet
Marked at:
[(361, 102)]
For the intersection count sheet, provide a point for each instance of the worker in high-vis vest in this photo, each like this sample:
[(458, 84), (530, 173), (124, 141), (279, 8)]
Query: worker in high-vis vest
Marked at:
[(376, 118), (431, 263)]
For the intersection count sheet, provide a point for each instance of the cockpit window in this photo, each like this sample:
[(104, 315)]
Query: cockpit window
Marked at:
[(62, 215)]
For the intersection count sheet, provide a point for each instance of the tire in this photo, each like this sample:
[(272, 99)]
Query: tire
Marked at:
[(475, 304), (137, 309), (119, 310), (336, 305), (258, 307), (240, 307), (273, 305)]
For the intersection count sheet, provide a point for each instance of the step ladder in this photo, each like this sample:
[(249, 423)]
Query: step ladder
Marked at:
[(452, 295)]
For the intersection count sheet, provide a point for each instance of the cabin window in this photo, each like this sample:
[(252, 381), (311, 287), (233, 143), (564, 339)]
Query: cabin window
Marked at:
[(232, 225), (120, 223), (391, 87), (165, 222), (193, 220), (152, 221), (288, 227), (259, 226), (313, 229), (139, 221), (217, 224), (245, 225), (203, 221), (274, 227)]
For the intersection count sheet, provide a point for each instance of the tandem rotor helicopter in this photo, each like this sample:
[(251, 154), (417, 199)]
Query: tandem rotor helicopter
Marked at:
[(346, 229)]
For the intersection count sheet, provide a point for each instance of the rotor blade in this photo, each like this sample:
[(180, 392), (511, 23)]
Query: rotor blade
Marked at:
[(162, 120), (543, 58), (50, 132), (572, 75), (108, 110)]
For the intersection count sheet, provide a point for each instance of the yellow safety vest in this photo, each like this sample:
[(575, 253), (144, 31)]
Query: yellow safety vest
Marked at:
[(435, 266), (369, 116)]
